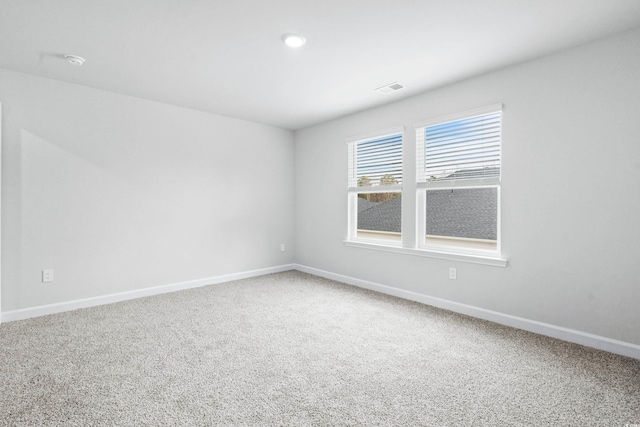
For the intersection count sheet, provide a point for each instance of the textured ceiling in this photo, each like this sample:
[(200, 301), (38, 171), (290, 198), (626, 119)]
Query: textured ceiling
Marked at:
[(226, 57)]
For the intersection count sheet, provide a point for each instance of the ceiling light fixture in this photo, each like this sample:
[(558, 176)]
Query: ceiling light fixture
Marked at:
[(74, 60), (293, 40)]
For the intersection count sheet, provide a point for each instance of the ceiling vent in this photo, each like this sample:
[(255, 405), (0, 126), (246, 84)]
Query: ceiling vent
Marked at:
[(391, 87)]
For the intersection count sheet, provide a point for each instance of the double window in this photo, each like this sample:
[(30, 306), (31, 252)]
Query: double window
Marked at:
[(375, 187), (458, 163)]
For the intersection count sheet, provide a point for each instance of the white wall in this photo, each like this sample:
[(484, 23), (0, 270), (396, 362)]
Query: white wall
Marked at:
[(571, 192), (116, 193)]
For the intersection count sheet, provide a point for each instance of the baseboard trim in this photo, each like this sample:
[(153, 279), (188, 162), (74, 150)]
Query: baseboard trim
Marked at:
[(565, 334), (43, 310)]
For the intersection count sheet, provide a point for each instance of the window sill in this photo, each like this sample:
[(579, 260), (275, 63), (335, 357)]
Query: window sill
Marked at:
[(451, 256)]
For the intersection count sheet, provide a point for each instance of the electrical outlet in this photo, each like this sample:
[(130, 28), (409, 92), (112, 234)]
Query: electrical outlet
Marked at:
[(47, 276), (452, 273), (281, 247)]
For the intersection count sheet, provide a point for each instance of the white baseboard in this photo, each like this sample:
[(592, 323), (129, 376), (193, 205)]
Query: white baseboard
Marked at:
[(44, 310), (565, 334)]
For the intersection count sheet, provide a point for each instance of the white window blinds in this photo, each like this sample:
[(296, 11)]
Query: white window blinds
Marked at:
[(376, 161), (462, 150)]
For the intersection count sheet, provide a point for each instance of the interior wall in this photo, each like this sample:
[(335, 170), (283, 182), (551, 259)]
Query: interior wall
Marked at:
[(570, 192), (116, 193)]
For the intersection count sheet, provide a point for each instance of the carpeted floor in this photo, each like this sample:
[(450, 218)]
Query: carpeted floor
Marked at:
[(294, 349)]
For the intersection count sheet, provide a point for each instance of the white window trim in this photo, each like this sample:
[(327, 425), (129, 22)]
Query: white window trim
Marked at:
[(494, 261), (467, 183), (376, 189)]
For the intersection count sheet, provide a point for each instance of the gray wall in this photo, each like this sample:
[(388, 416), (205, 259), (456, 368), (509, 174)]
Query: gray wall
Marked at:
[(116, 193), (570, 193)]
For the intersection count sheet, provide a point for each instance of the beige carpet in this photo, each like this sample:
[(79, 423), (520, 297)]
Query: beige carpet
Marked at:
[(294, 349)]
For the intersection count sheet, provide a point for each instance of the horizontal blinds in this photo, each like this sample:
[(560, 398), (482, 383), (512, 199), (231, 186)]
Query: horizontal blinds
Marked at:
[(466, 149), (376, 161)]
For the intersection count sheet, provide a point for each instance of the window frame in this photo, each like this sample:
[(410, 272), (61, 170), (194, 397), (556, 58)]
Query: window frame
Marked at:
[(423, 185), (353, 190)]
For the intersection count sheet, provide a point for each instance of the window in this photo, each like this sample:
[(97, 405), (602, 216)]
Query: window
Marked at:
[(458, 182), (456, 192), (375, 187)]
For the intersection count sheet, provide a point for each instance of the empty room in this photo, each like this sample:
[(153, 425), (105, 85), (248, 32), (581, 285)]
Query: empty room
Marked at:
[(320, 213)]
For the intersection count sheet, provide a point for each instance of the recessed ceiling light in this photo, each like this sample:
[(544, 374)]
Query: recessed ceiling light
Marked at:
[(293, 40), (74, 60)]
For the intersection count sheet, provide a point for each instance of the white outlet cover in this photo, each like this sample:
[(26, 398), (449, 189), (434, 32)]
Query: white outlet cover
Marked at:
[(47, 276)]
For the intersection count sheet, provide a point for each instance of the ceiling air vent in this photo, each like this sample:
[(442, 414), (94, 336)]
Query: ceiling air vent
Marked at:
[(391, 87)]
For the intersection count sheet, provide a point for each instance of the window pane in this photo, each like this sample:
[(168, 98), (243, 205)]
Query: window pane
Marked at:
[(463, 149), (380, 161), (463, 217), (379, 216)]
